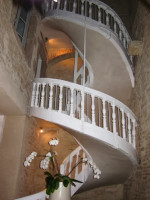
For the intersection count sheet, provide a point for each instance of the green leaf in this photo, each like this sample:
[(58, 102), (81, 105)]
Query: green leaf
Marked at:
[(65, 183), (74, 180)]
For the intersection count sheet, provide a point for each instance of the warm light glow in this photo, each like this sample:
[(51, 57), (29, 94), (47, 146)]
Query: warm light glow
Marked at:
[(55, 0), (41, 130)]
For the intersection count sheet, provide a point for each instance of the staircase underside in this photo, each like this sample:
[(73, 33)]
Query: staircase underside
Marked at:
[(110, 67), (113, 155)]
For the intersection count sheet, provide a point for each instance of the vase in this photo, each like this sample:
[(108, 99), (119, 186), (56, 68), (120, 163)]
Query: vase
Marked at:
[(62, 193)]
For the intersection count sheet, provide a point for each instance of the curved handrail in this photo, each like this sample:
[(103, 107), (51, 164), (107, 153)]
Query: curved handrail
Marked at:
[(97, 11), (86, 105)]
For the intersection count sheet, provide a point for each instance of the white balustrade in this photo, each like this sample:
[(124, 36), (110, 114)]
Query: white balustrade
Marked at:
[(82, 171), (105, 16), (85, 104)]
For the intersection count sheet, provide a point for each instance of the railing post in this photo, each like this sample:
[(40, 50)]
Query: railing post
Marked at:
[(58, 4), (51, 97), (93, 110), (37, 95), (129, 128), (82, 106), (71, 104), (123, 124), (114, 118), (90, 9), (60, 99), (74, 6), (104, 115), (133, 134), (107, 18), (65, 5), (42, 94), (33, 95), (82, 7), (99, 14)]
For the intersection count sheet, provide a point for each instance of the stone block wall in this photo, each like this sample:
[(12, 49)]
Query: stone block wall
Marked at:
[(138, 185), (114, 192)]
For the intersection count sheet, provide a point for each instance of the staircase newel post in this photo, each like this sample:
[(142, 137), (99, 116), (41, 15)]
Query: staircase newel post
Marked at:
[(33, 95), (37, 95), (60, 99), (104, 115), (129, 128), (51, 97), (93, 110), (42, 94)]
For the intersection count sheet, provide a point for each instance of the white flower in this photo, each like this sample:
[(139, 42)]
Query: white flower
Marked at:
[(49, 154), (44, 163), (84, 159), (55, 152), (96, 171), (34, 153), (30, 158), (54, 142), (96, 176), (26, 163)]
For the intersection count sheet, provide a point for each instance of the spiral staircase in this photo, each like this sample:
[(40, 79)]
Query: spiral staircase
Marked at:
[(103, 126)]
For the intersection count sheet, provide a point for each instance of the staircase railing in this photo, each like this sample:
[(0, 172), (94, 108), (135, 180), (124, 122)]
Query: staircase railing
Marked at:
[(81, 173), (86, 105), (97, 11)]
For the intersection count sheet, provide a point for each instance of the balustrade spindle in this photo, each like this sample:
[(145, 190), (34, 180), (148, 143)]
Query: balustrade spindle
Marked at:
[(82, 7), (58, 5), (71, 104), (82, 106), (104, 115), (33, 95), (51, 97), (37, 95), (115, 27), (42, 94), (133, 134), (74, 6), (129, 128), (60, 99), (123, 124), (65, 5), (93, 110), (77, 160), (107, 18), (99, 14), (52, 5), (114, 118), (120, 33), (90, 9)]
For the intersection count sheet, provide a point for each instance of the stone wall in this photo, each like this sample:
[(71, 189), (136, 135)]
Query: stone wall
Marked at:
[(114, 192), (138, 185), (32, 179)]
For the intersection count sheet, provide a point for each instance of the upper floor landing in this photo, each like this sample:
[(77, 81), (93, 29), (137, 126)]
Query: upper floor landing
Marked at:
[(107, 42)]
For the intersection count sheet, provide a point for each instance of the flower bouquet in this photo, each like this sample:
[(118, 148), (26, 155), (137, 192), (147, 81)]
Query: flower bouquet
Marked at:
[(50, 162)]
